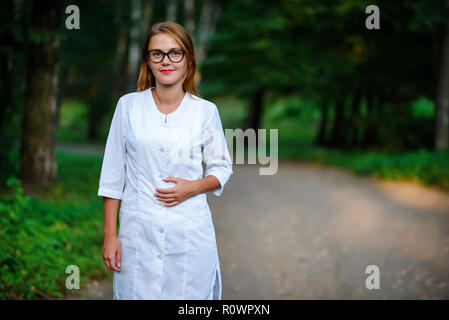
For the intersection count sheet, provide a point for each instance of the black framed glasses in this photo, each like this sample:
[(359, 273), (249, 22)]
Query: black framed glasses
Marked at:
[(175, 55)]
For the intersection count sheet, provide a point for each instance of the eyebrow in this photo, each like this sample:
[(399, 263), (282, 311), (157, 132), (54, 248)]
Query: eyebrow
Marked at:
[(177, 48)]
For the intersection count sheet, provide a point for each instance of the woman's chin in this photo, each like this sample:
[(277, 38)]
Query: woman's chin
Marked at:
[(168, 82)]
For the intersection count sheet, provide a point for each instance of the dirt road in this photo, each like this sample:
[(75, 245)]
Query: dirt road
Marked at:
[(309, 232)]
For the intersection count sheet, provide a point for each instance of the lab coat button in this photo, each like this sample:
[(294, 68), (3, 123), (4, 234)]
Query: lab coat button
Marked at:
[(161, 230), (160, 256), (162, 149)]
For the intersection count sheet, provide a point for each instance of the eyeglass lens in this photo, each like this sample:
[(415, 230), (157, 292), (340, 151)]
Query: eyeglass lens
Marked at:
[(173, 55)]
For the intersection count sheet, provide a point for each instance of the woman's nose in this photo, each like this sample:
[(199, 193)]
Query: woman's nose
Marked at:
[(166, 60)]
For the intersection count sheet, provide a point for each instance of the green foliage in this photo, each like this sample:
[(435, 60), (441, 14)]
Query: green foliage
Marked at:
[(423, 108), (72, 124), (291, 107), (423, 166), (321, 51), (232, 111), (297, 133), (41, 237)]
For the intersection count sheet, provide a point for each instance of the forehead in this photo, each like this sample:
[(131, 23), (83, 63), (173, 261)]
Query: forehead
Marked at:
[(163, 42)]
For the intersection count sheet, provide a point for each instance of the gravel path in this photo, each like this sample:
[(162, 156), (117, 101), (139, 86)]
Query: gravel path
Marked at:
[(310, 231)]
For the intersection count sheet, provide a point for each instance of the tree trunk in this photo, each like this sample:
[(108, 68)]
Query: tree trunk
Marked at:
[(255, 111), (60, 97), (127, 71), (206, 27), (442, 97), (189, 21), (37, 151), (148, 9), (336, 136), (354, 128), (121, 57), (172, 10), (322, 126), (6, 97), (134, 44), (369, 132)]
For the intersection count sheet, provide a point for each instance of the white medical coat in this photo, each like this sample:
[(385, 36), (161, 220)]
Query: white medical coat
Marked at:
[(167, 252)]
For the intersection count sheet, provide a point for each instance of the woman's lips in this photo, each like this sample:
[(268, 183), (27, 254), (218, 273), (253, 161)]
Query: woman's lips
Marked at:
[(167, 71)]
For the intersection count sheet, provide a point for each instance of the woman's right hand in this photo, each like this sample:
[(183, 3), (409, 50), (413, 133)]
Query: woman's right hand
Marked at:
[(111, 250)]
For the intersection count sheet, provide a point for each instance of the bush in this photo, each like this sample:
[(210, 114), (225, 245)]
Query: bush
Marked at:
[(40, 239)]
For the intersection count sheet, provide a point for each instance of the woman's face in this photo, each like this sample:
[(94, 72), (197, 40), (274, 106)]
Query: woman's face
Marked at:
[(167, 72)]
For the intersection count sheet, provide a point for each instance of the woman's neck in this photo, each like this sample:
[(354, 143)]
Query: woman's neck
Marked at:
[(168, 96)]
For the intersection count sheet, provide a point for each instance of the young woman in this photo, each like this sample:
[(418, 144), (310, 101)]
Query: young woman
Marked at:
[(158, 138)]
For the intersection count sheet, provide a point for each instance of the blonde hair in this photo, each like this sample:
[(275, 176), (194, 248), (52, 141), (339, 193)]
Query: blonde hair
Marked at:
[(181, 35)]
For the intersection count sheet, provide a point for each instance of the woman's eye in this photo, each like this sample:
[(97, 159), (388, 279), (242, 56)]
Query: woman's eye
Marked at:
[(155, 54)]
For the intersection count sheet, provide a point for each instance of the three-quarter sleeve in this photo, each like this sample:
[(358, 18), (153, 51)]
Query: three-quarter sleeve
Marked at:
[(113, 170), (215, 151)]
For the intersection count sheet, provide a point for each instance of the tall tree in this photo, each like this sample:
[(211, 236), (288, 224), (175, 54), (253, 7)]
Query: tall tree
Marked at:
[(37, 153), (189, 21), (134, 42), (172, 10), (245, 57), (205, 28), (442, 98)]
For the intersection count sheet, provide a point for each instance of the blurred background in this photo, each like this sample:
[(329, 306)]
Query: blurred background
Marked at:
[(363, 133)]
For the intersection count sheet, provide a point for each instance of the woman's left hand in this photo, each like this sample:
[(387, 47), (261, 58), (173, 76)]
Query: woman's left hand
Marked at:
[(183, 190)]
